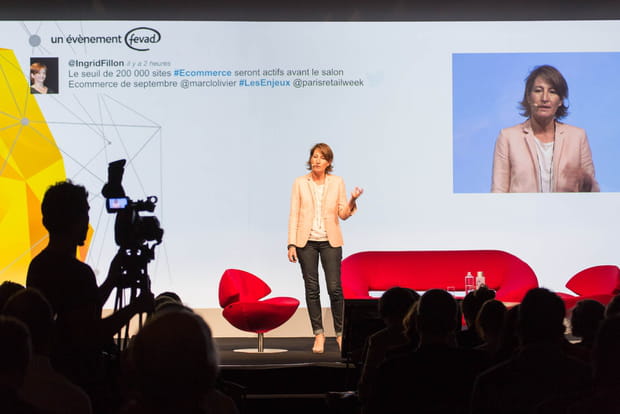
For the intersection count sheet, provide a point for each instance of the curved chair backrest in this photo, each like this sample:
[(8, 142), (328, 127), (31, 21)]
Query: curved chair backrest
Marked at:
[(240, 286), (604, 279)]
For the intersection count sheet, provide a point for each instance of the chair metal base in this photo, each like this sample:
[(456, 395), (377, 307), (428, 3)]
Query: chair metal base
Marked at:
[(261, 347), (264, 351)]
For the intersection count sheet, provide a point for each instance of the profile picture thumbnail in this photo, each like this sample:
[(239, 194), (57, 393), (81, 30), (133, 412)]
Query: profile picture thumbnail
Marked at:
[(43, 75)]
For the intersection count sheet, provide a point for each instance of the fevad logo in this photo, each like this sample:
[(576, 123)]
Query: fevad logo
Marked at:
[(141, 38)]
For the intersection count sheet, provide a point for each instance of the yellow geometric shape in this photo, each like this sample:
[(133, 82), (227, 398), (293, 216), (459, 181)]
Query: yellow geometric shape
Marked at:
[(30, 162)]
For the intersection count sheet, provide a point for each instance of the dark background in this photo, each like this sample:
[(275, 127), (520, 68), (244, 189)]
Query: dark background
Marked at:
[(320, 10)]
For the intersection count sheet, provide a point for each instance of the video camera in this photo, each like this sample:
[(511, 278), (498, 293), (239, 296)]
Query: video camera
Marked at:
[(131, 230), (136, 235)]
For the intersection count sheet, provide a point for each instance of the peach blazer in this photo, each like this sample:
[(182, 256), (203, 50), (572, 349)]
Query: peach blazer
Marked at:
[(515, 161), (335, 205)]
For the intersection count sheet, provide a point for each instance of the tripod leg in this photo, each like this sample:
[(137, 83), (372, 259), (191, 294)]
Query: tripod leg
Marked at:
[(118, 304)]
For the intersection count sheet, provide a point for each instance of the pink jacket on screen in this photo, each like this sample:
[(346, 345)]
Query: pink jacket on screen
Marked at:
[(335, 206), (515, 161)]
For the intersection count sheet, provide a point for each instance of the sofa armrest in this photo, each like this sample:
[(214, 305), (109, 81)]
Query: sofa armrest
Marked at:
[(518, 280)]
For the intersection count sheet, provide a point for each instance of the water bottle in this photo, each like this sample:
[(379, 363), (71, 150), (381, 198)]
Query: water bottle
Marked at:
[(469, 282), (480, 280)]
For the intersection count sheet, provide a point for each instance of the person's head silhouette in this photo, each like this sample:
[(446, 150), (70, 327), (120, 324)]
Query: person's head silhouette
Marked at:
[(174, 372), (31, 307), (437, 316), (541, 317), (65, 212)]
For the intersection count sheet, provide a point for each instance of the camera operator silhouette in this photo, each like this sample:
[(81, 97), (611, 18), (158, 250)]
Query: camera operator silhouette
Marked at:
[(70, 286)]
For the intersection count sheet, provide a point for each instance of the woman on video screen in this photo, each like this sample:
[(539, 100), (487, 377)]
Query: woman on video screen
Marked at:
[(543, 154), (318, 202)]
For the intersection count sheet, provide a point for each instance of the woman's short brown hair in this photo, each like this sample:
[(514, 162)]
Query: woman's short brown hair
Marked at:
[(555, 79), (327, 153), (37, 67)]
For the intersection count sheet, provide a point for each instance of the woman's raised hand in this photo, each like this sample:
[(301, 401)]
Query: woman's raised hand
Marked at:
[(356, 193)]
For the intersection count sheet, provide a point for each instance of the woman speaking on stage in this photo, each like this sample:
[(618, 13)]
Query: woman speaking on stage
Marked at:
[(318, 201), (543, 154)]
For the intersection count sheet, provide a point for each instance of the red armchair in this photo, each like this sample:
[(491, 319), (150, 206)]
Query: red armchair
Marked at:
[(600, 283), (240, 295)]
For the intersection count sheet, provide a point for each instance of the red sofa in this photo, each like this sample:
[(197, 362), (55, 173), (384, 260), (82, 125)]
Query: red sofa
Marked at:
[(363, 272)]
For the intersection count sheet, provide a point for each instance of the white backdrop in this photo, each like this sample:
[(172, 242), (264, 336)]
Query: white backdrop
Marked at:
[(222, 159)]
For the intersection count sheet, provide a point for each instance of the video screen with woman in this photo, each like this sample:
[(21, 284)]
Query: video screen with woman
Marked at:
[(535, 123), (542, 154)]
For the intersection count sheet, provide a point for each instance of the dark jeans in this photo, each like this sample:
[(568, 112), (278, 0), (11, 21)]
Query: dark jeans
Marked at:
[(330, 260)]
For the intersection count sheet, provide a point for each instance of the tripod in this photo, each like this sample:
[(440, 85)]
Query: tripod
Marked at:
[(134, 276)]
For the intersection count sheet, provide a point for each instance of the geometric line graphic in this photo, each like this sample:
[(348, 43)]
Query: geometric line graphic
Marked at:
[(89, 131)]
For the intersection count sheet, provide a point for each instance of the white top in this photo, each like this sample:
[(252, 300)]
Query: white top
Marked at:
[(544, 151), (318, 232)]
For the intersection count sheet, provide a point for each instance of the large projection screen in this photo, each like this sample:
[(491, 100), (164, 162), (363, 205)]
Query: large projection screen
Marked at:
[(216, 119)]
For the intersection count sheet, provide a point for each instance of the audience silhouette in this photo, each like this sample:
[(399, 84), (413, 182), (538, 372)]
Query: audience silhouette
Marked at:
[(540, 371), (174, 373), (43, 387), (613, 307), (605, 397), (471, 305), (7, 289), (393, 307), (517, 360), (585, 319), (508, 339), (410, 330), (489, 323), (437, 376), (167, 301), (15, 354)]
